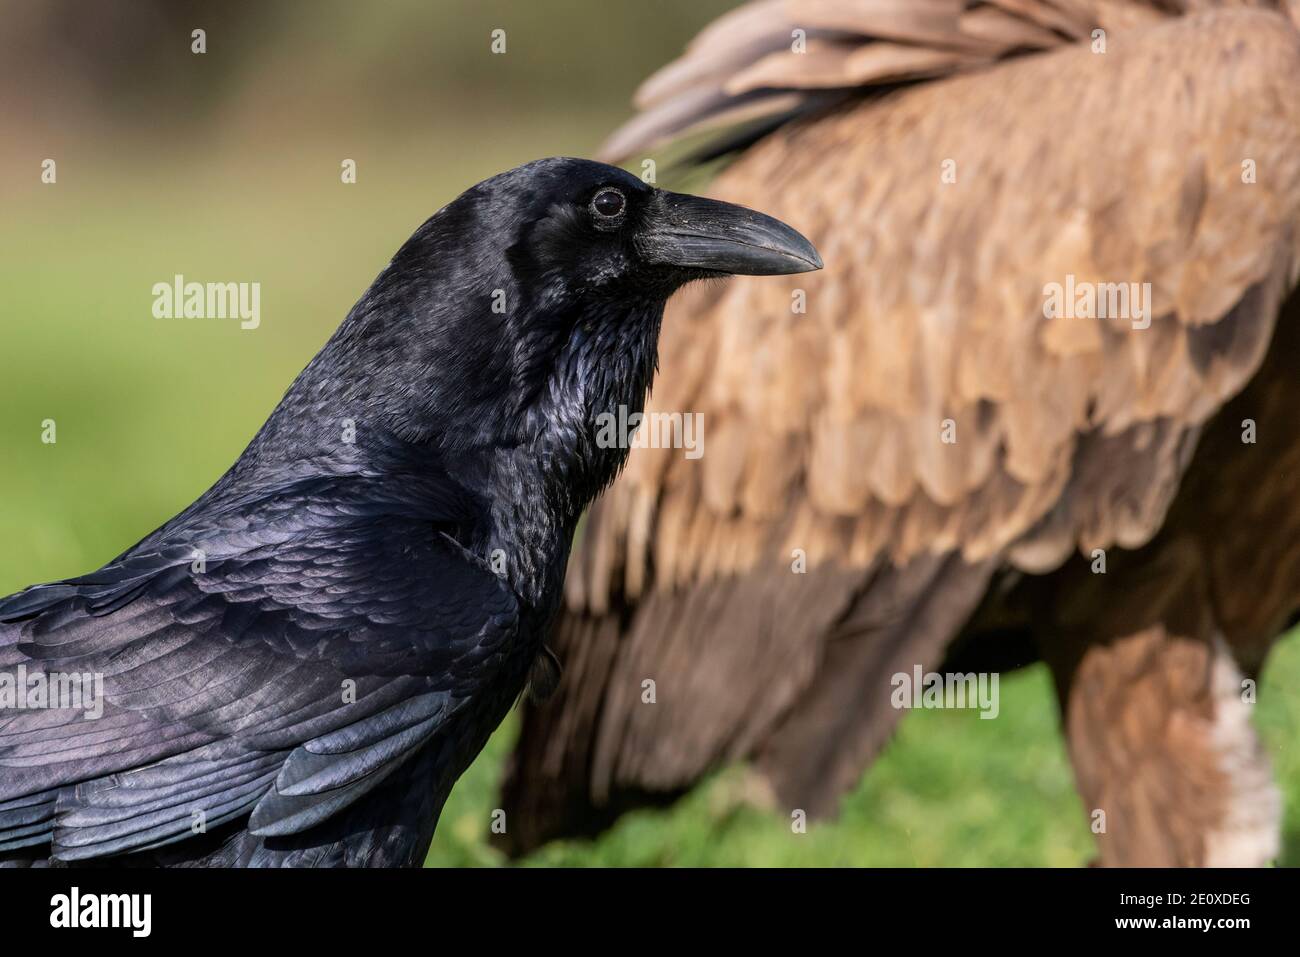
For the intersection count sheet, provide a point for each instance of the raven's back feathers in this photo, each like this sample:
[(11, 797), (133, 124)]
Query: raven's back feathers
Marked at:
[(289, 670)]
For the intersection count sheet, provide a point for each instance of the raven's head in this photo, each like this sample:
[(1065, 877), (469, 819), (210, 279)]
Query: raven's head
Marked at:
[(588, 255), (549, 280), (600, 232), (526, 308)]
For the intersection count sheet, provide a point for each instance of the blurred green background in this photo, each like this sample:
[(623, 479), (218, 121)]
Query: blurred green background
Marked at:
[(226, 167)]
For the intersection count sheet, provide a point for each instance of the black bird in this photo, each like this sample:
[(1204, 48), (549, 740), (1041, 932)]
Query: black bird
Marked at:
[(296, 668)]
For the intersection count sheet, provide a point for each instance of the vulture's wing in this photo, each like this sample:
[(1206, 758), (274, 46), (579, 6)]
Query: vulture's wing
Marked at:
[(882, 436), (769, 61), (280, 655)]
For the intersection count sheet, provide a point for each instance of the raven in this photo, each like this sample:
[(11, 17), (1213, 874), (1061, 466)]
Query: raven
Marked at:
[(295, 670)]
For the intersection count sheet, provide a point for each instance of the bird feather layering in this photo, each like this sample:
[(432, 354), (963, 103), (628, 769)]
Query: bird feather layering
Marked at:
[(953, 160)]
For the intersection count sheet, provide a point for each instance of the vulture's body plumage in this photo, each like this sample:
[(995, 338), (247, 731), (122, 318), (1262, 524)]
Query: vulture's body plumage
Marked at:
[(949, 462)]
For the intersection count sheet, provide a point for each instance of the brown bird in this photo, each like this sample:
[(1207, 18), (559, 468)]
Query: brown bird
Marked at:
[(966, 457)]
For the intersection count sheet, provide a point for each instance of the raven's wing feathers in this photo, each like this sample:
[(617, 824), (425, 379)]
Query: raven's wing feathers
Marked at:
[(290, 649)]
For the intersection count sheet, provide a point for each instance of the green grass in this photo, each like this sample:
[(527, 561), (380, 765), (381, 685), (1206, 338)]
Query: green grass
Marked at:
[(951, 790)]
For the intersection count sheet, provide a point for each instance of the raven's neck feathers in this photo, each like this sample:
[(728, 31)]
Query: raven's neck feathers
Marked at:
[(505, 404)]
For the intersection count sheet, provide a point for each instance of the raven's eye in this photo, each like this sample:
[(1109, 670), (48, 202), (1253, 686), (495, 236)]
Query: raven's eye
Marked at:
[(608, 204)]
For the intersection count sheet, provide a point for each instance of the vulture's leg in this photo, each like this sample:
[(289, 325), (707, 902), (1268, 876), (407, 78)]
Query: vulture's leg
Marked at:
[(1158, 721), (1163, 746)]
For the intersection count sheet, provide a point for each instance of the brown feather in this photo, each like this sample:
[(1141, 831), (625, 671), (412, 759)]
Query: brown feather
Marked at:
[(824, 429)]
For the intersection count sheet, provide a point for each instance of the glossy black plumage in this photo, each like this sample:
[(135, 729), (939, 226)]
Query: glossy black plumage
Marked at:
[(297, 668)]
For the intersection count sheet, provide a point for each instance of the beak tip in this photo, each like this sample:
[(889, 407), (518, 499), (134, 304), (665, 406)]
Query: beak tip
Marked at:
[(796, 251), (805, 259)]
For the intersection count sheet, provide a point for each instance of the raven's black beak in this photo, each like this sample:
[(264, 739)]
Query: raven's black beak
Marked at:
[(697, 233)]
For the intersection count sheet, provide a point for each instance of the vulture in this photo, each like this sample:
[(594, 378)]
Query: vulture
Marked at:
[(944, 450)]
